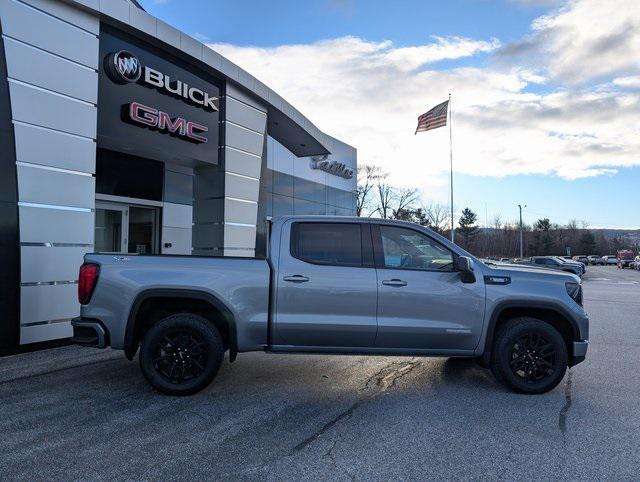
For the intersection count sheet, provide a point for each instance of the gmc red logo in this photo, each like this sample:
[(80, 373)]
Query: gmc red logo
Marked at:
[(176, 126)]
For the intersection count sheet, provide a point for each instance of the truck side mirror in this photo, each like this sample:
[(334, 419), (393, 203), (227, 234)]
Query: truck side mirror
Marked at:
[(464, 264)]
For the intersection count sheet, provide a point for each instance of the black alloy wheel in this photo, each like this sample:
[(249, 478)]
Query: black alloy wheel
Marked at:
[(529, 355), (532, 357), (181, 354)]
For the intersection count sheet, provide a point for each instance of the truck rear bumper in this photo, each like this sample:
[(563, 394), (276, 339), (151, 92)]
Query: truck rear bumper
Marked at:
[(88, 332)]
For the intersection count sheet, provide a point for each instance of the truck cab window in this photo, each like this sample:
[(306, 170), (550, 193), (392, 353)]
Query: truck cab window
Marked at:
[(408, 249), (327, 243)]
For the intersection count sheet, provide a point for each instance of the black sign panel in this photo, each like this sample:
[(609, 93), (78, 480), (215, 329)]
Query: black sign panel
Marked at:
[(153, 105)]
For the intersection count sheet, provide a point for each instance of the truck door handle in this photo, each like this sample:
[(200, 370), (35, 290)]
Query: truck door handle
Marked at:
[(297, 278), (394, 282)]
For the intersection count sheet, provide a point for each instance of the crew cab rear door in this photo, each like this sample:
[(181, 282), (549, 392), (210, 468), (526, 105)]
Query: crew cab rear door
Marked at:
[(326, 285), (423, 302)]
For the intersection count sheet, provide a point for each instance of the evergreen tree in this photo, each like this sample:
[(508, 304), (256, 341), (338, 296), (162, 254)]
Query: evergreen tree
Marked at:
[(543, 241), (467, 226), (587, 243)]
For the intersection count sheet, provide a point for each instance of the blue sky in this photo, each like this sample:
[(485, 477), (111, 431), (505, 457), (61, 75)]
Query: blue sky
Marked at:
[(544, 100), (277, 22)]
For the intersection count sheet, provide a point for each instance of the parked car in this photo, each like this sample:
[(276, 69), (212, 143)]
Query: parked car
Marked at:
[(556, 263), (581, 259), (624, 258), (636, 263), (341, 285), (610, 260), (578, 264), (594, 259)]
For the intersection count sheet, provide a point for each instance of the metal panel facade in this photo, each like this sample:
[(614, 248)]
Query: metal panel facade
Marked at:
[(65, 135)]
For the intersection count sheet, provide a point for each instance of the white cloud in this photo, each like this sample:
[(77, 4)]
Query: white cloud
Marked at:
[(370, 94), (584, 40), (201, 37), (631, 81)]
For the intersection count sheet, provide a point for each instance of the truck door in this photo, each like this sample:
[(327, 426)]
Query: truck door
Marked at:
[(422, 301), (326, 285)]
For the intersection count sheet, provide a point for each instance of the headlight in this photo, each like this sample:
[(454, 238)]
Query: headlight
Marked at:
[(575, 291)]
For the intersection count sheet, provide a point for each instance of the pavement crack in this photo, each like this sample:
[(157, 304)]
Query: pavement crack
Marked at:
[(341, 416), (378, 383), (389, 374), (330, 455), (562, 419)]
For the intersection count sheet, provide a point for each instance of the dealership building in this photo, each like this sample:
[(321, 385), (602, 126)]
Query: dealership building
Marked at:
[(121, 134)]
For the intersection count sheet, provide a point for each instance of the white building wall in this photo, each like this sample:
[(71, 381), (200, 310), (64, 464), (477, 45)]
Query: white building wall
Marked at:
[(226, 204), (52, 53), (52, 60)]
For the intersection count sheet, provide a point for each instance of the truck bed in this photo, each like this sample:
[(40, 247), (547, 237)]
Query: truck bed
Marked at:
[(242, 284)]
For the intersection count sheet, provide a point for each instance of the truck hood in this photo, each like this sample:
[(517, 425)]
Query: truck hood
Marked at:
[(521, 270), (574, 263)]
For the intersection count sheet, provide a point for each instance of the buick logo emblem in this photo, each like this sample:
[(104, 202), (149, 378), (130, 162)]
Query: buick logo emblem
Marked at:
[(123, 66)]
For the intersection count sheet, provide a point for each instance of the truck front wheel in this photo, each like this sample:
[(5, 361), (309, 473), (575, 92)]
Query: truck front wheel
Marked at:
[(181, 354), (529, 356)]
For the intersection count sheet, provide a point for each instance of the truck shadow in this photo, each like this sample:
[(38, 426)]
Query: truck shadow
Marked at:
[(465, 372)]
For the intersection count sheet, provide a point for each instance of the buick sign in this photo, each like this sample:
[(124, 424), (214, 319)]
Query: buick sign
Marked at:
[(123, 67)]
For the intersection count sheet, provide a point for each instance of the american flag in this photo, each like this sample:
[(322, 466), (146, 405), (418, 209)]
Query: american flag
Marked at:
[(436, 117)]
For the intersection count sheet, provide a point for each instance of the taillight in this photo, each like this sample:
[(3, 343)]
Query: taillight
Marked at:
[(87, 282)]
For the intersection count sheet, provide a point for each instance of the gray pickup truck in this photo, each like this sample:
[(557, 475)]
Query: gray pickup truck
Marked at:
[(555, 262), (335, 285)]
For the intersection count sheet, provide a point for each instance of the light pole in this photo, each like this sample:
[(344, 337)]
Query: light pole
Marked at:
[(521, 248)]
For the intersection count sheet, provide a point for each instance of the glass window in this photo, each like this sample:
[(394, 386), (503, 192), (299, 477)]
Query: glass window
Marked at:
[(327, 243), (108, 230), (142, 230), (408, 249)]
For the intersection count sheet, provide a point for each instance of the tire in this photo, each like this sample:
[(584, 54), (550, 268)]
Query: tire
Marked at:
[(181, 354), (515, 363)]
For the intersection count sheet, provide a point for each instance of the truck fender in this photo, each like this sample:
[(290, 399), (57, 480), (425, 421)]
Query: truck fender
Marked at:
[(131, 344), (524, 304)]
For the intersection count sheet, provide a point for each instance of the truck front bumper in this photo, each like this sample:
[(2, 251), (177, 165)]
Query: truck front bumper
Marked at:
[(89, 332), (579, 352)]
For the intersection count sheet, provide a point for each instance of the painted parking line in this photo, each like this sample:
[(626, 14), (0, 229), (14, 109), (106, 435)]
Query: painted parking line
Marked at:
[(613, 282)]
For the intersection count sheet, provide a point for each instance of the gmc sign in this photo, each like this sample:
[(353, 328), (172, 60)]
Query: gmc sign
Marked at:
[(163, 122)]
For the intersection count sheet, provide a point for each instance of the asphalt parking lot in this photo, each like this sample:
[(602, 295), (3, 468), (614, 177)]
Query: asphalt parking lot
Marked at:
[(74, 413)]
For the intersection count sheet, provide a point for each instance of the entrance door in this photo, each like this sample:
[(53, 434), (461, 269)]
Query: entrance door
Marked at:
[(123, 228), (143, 230), (111, 230)]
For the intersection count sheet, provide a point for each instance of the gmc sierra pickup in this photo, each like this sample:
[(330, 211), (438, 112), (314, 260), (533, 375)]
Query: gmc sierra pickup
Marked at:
[(336, 285)]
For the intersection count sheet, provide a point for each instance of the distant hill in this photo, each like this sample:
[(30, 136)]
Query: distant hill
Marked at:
[(629, 234), (633, 234)]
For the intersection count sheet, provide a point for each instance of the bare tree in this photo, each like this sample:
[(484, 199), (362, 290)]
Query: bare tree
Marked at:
[(405, 199), (385, 199), (497, 222), (368, 177), (437, 216)]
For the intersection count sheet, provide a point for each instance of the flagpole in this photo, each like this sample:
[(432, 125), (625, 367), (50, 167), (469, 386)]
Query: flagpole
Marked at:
[(453, 229)]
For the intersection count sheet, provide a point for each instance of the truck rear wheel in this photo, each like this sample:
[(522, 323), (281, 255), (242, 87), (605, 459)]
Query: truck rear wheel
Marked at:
[(529, 356), (181, 354)]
